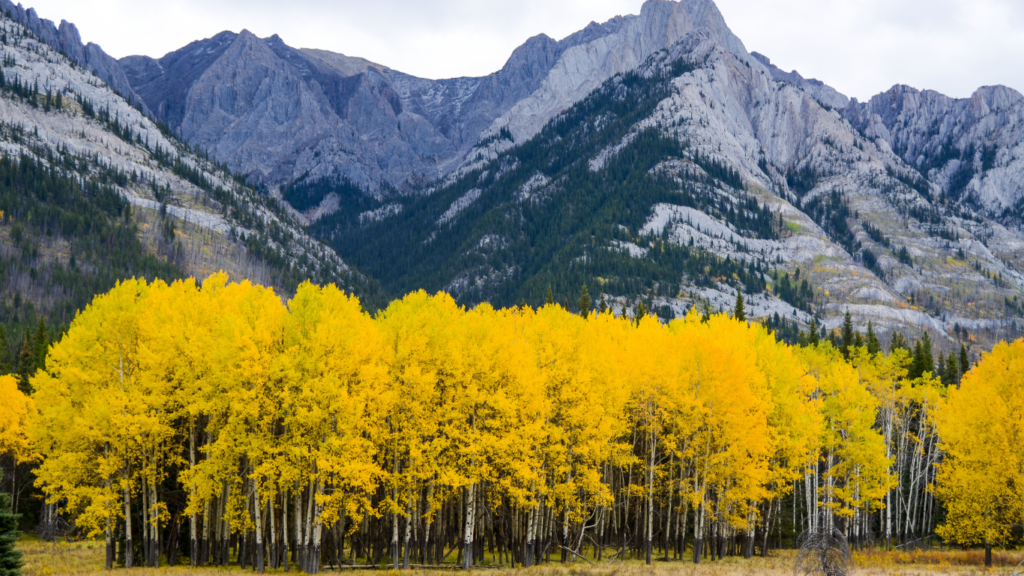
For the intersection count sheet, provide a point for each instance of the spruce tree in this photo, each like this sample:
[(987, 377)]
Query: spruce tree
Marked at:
[(41, 344), (927, 360), (551, 296), (584, 303), (5, 353), (917, 365), (812, 333), (899, 341), (847, 334), (10, 557), (874, 346), (952, 375), (641, 311), (965, 362), (739, 313), (603, 306), (940, 368), (26, 366)]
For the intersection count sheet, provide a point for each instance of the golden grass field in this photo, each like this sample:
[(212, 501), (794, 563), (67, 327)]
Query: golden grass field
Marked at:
[(42, 558)]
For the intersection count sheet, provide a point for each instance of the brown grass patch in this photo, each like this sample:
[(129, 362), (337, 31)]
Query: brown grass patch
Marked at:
[(44, 559)]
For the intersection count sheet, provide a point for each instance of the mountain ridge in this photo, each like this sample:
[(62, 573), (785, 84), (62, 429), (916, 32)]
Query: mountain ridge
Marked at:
[(906, 210)]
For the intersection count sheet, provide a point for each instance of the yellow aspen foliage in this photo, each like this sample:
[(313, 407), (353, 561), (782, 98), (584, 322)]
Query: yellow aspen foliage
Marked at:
[(16, 413), (981, 424), (306, 430)]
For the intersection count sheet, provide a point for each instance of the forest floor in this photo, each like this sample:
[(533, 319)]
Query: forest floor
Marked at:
[(44, 559)]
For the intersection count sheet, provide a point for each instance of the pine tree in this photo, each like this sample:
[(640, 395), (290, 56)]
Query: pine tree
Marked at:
[(10, 557), (603, 306), (739, 313), (874, 346), (965, 362), (41, 344), (916, 369), (641, 311), (813, 338), (551, 297), (898, 342), (5, 352), (940, 368), (847, 334), (585, 302), (927, 360), (26, 366), (952, 375)]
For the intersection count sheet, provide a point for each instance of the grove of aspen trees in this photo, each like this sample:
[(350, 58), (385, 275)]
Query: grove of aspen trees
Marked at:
[(213, 423)]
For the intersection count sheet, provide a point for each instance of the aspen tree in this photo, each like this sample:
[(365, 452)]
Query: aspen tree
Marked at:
[(982, 429)]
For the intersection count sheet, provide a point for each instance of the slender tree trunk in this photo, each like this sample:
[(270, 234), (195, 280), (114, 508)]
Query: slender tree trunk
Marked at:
[(698, 532), (108, 533), (193, 551), (128, 548), (467, 556), (257, 506), (284, 529), (408, 535)]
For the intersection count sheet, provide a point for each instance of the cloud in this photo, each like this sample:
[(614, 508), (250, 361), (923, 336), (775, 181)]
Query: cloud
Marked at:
[(861, 48)]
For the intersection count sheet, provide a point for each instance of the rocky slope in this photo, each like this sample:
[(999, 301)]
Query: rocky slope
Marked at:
[(863, 202), (277, 114), (650, 157), (95, 192)]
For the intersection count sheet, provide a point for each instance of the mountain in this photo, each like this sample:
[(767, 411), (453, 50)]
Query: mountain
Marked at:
[(92, 191), (651, 158), (277, 113), (705, 170)]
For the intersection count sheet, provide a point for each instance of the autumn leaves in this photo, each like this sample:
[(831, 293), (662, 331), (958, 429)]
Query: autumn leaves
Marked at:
[(313, 428)]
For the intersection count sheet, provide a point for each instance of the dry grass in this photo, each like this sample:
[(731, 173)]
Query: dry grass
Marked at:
[(87, 558)]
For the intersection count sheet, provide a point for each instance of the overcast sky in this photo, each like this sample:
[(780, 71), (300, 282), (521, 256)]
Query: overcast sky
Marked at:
[(860, 47)]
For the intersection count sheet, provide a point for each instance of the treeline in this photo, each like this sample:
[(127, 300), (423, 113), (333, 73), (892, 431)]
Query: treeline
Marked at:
[(213, 424)]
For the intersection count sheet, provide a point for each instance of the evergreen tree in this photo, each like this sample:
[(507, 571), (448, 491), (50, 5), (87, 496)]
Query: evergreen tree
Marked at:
[(927, 360), (952, 374), (739, 313), (584, 303), (847, 334), (10, 557), (551, 297), (899, 341), (41, 344), (916, 368), (965, 362), (940, 368), (5, 353), (624, 313), (874, 346), (812, 333), (706, 316), (603, 306), (641, 311), (26, 366)]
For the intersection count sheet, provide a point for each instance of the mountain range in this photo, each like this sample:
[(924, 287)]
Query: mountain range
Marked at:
[(652, 158)]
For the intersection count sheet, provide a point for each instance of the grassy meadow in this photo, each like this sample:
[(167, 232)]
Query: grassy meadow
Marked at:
[(44, 559)]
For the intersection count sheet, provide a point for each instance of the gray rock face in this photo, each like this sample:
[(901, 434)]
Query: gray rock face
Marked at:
[(972, 147), (279, 114), (822, 93), (67, 40)]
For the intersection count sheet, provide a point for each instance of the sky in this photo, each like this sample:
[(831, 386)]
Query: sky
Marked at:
[(859, 47)]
